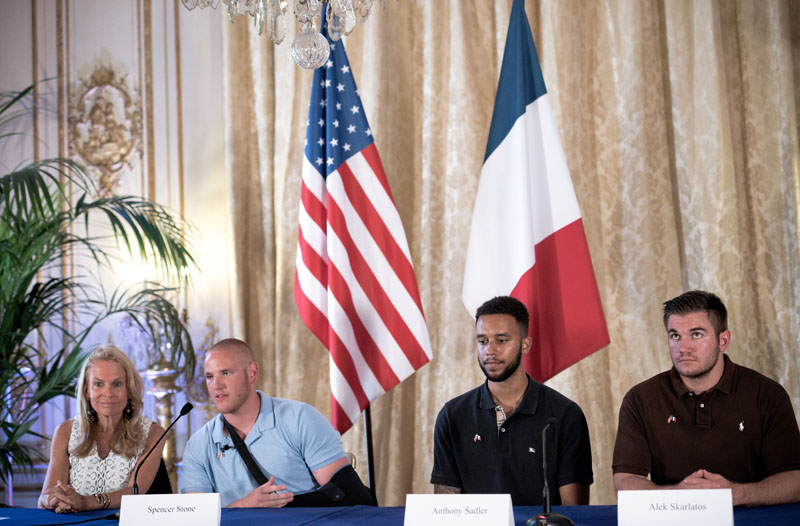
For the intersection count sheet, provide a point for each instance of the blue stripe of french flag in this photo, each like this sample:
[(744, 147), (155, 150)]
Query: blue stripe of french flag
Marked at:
[(527, 238)]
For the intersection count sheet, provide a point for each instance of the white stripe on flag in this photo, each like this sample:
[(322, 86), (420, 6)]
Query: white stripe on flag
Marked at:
[(312, 289), (311, 232), (313, 180), (555, 204), (525, 192)]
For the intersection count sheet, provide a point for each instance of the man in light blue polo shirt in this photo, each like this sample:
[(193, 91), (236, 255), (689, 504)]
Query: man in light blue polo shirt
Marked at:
[(292, 443)]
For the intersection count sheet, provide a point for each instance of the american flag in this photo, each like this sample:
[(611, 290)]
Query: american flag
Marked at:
[(354, 282)]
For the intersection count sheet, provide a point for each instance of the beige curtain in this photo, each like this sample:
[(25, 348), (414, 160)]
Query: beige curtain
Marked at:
[(680, 125)]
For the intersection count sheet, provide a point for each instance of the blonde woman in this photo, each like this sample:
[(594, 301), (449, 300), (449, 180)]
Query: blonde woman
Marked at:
[(95, 454)]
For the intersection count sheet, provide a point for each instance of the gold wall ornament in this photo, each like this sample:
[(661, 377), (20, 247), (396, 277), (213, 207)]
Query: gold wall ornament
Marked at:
[(105, 127), (196, 389)]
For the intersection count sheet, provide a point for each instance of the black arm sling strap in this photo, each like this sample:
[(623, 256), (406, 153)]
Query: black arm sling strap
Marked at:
[(344, 489), (249, 461)]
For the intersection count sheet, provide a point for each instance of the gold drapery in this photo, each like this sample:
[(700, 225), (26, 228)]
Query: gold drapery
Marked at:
[(679, 122)]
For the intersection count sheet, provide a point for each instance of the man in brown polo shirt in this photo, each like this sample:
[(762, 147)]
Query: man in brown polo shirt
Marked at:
[(707, 422)]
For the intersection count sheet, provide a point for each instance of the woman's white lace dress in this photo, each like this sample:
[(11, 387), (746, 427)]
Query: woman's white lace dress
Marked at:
[(92, 474)]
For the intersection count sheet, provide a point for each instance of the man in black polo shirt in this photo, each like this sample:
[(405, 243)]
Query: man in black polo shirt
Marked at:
[(707, 422), (489, 440)]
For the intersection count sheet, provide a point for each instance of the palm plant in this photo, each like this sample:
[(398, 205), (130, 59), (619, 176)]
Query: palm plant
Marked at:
[(41, 223)]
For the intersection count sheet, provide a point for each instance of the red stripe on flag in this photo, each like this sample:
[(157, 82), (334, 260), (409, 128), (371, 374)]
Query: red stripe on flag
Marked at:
[(314, 207), (373, 290), (311, 315), (341, 422), (380, 233), (560, 291), (312, 260), (317, 321), (371, 353), (370, 153)]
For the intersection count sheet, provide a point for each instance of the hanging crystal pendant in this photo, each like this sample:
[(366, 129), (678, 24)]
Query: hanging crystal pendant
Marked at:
[(341, 18), (362, 9), (233, 9), (202, 4), (310, 48), (306, 11), (259, 16), (275, 21)]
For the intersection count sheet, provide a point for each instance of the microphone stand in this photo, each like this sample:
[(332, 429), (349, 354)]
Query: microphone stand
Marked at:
[(547, 517), (185, 409)]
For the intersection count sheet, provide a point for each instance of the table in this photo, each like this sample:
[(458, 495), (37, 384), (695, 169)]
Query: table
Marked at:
[(388, 516)]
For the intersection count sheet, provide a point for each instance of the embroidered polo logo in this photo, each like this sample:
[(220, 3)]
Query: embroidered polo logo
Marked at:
[(741, 425), (531, 450), (476, 438), (671, 419)]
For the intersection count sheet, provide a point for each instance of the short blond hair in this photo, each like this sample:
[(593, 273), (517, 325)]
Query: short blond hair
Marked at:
[(234, 344)]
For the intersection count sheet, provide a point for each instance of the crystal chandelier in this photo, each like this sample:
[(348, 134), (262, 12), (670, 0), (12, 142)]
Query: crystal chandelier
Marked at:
[(310, 49)]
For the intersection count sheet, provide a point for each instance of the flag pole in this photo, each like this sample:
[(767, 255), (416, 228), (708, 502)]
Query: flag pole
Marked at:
[(368, 445)]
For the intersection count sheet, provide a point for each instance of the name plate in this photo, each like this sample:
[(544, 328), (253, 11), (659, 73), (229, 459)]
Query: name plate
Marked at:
[(190, 509), (688, 507), (443, 510)]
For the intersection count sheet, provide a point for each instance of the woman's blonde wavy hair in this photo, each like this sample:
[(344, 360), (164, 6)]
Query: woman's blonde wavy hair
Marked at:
[(129, 439)]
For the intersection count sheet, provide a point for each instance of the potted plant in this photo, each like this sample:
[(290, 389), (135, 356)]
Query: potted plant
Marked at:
[(40, 223)]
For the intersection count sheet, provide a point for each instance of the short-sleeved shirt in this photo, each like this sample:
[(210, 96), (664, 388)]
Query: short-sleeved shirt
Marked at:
[(471, 452), (289, 440), (744, 428)]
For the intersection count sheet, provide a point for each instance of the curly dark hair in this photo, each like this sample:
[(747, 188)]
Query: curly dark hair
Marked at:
[(506, 305)]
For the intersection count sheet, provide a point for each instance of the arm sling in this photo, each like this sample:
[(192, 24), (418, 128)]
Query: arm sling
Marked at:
[(344, 489)]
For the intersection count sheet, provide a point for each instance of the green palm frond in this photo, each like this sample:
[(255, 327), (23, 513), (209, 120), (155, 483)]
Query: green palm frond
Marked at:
[(8, 112)]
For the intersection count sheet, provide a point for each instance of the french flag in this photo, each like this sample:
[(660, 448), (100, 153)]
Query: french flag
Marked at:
[(527, 238)]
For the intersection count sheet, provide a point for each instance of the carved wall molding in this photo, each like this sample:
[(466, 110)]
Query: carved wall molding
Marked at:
[(105, 127)]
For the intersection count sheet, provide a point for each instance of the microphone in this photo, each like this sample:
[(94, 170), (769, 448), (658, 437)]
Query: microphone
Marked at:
[(185, 409), (547, 517)]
